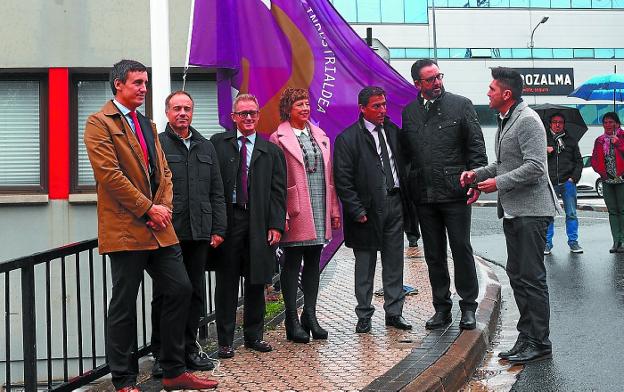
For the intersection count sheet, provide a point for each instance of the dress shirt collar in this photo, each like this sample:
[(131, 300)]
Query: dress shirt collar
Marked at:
[(251, 138)]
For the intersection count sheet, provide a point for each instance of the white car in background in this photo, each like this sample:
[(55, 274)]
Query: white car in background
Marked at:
[(590, 180)]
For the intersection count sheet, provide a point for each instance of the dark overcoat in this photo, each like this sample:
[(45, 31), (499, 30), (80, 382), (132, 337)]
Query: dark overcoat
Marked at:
[(198, 204), (267, 198), (360, 183)]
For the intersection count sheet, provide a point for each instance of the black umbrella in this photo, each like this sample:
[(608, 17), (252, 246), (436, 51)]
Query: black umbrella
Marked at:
[(574, 124)]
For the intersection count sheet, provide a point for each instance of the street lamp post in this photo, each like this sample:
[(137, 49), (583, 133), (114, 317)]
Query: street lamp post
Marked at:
[(532, 42), (435, 43)]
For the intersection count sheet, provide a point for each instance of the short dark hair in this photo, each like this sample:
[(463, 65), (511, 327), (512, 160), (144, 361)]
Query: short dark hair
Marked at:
[(510, 79), (288, 99), (121, 69), (178, 92), (556, 114), (613, 116), (367, 92), (420, 64)]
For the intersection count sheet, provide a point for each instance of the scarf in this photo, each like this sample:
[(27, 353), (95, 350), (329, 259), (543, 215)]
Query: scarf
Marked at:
[(605, 140)]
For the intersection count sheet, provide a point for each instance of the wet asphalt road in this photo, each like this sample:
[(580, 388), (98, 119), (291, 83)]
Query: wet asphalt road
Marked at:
[(587, 305)]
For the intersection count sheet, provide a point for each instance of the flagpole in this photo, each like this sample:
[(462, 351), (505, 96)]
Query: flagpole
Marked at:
[(188, 45), (161, 68)]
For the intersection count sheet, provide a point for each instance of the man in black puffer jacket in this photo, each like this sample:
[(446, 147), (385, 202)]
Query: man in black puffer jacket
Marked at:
[(565, 165), (442, 137), (199, 217)]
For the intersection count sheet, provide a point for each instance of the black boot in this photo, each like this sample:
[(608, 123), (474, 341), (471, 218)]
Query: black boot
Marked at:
[(309, 323), (294, 332)]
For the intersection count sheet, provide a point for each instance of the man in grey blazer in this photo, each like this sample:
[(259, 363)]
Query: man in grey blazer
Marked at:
[(527, 204)]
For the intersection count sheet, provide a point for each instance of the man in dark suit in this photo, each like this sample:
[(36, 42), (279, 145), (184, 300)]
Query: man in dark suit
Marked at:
[(254, 179), (134, 191), (368, 175), (198, 216), (442, 137)]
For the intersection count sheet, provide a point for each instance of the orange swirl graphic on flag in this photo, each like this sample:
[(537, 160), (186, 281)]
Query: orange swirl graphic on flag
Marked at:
[(302, 65)]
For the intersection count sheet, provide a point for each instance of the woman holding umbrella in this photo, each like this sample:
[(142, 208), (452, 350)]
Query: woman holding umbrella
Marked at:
[(608, 161)]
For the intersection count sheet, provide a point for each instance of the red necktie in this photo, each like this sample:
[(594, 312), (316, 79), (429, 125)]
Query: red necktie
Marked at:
[(139, 135)]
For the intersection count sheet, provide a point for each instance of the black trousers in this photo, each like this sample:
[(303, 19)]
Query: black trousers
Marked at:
[(165, 267), (194, 254), (310, 275), (235, 264), (436, 220), (526, 238)]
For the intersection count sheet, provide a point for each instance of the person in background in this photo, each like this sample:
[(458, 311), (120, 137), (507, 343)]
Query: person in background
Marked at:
[(312, 210), (369, 175), (608, 161), (254, 179), (198, 216), (564, 169)]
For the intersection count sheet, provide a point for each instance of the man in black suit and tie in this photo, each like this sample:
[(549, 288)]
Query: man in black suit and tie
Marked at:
[(254, 179), (368, 176)]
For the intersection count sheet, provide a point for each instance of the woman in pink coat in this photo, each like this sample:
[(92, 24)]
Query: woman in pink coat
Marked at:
[(312, 210)]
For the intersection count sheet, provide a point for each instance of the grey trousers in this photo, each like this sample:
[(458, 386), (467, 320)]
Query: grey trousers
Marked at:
[(526, 238), (391, 264)]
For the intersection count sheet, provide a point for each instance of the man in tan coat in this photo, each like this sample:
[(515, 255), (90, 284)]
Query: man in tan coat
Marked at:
[(134, 192)]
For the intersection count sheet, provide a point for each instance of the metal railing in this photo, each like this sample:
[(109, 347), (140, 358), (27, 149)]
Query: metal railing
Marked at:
[(55, 307)]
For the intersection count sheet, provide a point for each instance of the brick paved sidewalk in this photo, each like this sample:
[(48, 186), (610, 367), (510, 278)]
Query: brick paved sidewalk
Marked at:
[(386, 359)]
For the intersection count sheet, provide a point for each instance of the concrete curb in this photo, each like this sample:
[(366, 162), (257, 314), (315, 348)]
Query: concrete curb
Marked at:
[(579, 206), (455, 367)]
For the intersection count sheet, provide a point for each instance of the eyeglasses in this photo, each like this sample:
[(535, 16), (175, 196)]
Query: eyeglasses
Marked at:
[(250, 113), (432, 79)]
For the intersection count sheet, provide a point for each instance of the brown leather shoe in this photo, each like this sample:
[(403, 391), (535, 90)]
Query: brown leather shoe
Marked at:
[(188, 380), (132, 388), (225, 352)]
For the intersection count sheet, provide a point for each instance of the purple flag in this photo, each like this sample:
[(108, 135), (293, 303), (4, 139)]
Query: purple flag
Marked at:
[(264, 46)]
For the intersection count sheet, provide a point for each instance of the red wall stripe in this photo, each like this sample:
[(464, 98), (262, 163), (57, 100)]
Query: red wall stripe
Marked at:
[(58, 133)]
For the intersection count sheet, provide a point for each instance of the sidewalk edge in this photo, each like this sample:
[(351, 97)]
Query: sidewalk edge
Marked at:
[(453, 369)]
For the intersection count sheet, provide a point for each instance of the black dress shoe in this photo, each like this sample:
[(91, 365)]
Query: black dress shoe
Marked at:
[(225, 352), (397, 322), (259, 345), (468, 320), (517, 347), (439, 320), (615, 247), (197, 361), (363, 325), (157, 371), (531, 353)]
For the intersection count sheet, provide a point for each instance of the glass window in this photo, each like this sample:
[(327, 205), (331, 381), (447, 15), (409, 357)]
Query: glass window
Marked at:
[(368, 11), (347, 9), (418, 53), (618, 3), (559, 3), (581, 3), (417, 11), (443, 53), (504, 53), (619, 53), (520, 53), (601, 4), (542, 53), (540, 3), (458, 3), (487, 116), (589, 114), (397, 53), (21, 160), (583, 53), (392, 11), (604, 53), (563, 53), (519, 3), (499, 3)]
